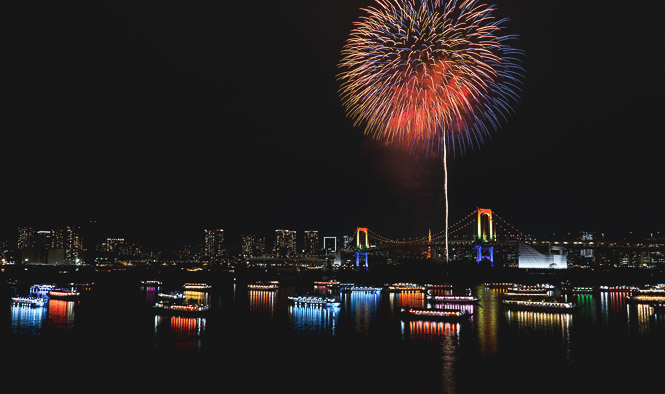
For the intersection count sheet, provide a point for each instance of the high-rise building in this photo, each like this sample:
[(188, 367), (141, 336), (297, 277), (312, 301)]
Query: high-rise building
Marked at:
[(253, 245), (213, 245), (330, 244), (285, 243), (311, 243), (55, 246)]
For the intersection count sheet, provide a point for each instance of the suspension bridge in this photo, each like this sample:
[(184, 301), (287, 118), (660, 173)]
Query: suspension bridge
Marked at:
[(482, 230)]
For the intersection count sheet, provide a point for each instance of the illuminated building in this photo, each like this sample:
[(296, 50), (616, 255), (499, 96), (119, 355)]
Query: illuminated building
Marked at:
[(586, 253), (330, 244), (528, 257), (55, 246), (311, 243), (212, 244), (253, 246), (285, 243)]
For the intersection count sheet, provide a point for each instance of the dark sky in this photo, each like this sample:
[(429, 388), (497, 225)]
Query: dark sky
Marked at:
[(160, 118)]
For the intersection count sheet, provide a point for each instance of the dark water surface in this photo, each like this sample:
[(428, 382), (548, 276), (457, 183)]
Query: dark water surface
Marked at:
[(255, 341)]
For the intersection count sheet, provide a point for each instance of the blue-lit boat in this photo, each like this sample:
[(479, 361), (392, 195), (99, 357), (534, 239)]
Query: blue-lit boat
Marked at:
[(362, 289), (434, 314), (314, 301), (34, 302)]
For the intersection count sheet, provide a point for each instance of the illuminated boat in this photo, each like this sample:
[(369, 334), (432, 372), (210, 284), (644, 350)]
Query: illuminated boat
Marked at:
[(40, 290), (180, 309), (196, 286), (540, 305), (273, 285), (498, 285), (523, 296), (314, 301), (440, 286), (362, 289), (646, 298), (579, 290), (64, 294), (530, 289), (327, 283), (151, 282), (401, 286), (34, 302), (174, 295), (617, 288), (453, 299), (434, 314)]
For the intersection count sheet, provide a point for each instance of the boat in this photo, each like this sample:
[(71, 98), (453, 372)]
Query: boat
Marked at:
[(530, 289), (174, 295), (498, 285), (327, 283), (180, 309), (362, 289), (29, 301), (196, 286), (314, 301), (40, 290), (440, 286), (434, 314), (579, 290), (263, 286), (64, 294), (151, 282), (545, 305), (616, 288), (453, 299), (402, 286), (646, 298), (523, 296)]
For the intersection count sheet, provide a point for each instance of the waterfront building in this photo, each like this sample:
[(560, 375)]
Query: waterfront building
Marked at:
[(285, 243), (311, 243), (213, 244), (330, 244), (253, 245)]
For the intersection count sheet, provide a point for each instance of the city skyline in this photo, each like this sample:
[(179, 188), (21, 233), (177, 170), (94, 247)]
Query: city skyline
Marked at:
[(144, 119)]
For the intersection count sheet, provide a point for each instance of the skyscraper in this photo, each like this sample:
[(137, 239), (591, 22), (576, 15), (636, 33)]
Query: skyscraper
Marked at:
[(213, 244), (285, 243), (311, 243), (253, 246)]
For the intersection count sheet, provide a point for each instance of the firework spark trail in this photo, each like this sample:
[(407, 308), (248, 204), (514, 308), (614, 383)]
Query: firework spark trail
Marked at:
[(433, 74)]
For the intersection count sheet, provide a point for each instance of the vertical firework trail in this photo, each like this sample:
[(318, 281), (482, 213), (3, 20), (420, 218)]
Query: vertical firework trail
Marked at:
[(436, 75)]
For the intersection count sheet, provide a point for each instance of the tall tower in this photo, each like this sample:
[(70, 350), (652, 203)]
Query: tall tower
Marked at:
[(311, 242), (213, 244)]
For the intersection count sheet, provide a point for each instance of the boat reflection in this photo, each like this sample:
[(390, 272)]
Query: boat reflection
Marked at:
[(61, 314), (183, 332), (262, 301), (613, 305), (314, 319), (640, 316), (151, 294), (27, 320), (406, 299), (361, 308)]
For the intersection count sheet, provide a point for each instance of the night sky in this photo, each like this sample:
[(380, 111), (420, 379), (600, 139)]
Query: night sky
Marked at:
[(158, 119)]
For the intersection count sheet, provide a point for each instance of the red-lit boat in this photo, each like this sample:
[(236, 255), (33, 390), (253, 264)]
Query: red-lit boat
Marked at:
[(64, 294)]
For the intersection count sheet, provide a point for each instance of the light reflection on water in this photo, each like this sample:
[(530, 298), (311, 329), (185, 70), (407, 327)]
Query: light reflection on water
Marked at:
[(263, 301), (361, 308), (186, 332), (27, 319), (61, 314), (314, 319)]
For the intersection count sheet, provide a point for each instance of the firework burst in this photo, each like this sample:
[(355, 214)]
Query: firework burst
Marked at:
[(437, 74)]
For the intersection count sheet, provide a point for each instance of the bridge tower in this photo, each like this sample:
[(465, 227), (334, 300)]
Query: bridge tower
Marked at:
[(485, 232), (361, 256), (485, 237), (429, 245)]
